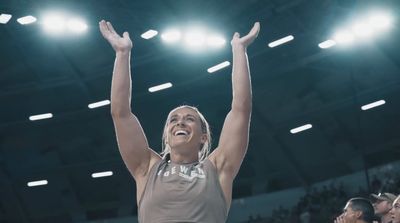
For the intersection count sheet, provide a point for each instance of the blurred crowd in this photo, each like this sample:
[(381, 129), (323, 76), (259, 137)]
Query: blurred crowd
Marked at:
[(329, 204)]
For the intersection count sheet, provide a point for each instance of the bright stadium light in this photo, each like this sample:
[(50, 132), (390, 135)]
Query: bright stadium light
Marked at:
[(160, 87), (280, 41), (380, 21), (373, 105), (218, 67), (4, 18), (327, 44), (54, 23), (149, 34), (362, 30), (76, 25), (215, 41), (344, 37), (301, 128), (171, 36), (59, 23), (26, 20), (195, 38), (37, 183)]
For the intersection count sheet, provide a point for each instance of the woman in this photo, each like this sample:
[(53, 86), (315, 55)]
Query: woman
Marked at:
[(187, 184), (395, 212)]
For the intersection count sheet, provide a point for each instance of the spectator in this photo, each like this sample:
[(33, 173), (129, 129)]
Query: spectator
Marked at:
[(395, 212), (382, 203), (357, 210)]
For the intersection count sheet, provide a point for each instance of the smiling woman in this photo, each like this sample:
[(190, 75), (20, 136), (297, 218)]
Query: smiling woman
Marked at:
[(179, 117), (186, 184)]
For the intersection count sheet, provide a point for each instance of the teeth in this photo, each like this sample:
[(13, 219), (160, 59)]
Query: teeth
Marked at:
[(180, 131)]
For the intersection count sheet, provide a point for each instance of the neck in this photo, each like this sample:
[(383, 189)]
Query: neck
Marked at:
[(179, 158)]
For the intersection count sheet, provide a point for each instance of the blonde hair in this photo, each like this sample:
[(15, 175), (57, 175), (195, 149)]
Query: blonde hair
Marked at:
[(205, 128)]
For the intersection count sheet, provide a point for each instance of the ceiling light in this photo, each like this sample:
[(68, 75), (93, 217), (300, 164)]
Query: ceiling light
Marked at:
[(280, 41), (218, 67), (300, 129), (26, 20), (160, 87)]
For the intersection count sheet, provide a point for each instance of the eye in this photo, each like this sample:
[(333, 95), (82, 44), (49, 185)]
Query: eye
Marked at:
[(172, 120), (190, 119)]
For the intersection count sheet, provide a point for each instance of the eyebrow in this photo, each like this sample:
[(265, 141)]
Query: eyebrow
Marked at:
[(173, 116)]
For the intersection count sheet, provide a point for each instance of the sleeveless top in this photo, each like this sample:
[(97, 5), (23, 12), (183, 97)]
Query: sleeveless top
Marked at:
[(182, 193)]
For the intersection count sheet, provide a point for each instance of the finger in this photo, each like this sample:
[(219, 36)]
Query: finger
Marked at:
[(253, 33), (110, 27), (103, 28), (256, 29), (126, 35)]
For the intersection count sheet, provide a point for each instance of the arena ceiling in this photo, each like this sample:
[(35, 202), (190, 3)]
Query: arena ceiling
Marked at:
[(294, 84)]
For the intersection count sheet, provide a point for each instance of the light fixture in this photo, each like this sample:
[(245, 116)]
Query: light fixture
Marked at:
[(149, 34), (26, 20), (160, 87), (344, 36), (99, 104), (301, 128), (37, 183), (171, 36), (218, 66), (215, 41), (102, 174), (4, 18), (327, 44), (281, 41), (195, 38), (76, 25), (373, 105), (40, 117)]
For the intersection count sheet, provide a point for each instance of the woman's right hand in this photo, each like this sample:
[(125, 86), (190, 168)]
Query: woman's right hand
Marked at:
[(119, 44)]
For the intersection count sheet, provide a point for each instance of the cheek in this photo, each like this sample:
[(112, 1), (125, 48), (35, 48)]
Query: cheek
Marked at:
[(349, 216)]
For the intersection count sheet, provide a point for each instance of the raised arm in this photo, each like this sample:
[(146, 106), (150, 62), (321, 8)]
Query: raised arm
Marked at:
[(232, 147), (132, 142)]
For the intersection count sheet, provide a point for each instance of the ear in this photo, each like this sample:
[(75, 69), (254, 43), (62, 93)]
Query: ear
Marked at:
[(204, 138), (358, 214)]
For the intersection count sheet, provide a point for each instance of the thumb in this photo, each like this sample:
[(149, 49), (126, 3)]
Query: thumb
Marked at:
[(126, 35)]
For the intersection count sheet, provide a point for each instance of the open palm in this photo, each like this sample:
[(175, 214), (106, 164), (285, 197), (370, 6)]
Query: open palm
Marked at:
[(119, 43)]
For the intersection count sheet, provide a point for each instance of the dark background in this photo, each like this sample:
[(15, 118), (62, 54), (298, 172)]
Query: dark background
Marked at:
[(293, 84)]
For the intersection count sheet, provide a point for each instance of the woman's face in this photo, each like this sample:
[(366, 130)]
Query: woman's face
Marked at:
[(184, 129), (395, 211)]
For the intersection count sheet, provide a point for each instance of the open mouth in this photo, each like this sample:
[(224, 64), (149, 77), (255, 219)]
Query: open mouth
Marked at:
[(181, 133)]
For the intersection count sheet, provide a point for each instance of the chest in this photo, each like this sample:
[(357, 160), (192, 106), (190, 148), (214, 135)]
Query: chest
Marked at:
[(180, 182)]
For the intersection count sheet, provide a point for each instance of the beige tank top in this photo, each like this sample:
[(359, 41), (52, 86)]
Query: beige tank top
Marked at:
[(183, 193)]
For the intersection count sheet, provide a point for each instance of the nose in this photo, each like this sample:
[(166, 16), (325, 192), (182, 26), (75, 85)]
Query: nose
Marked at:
[(180, 122)]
